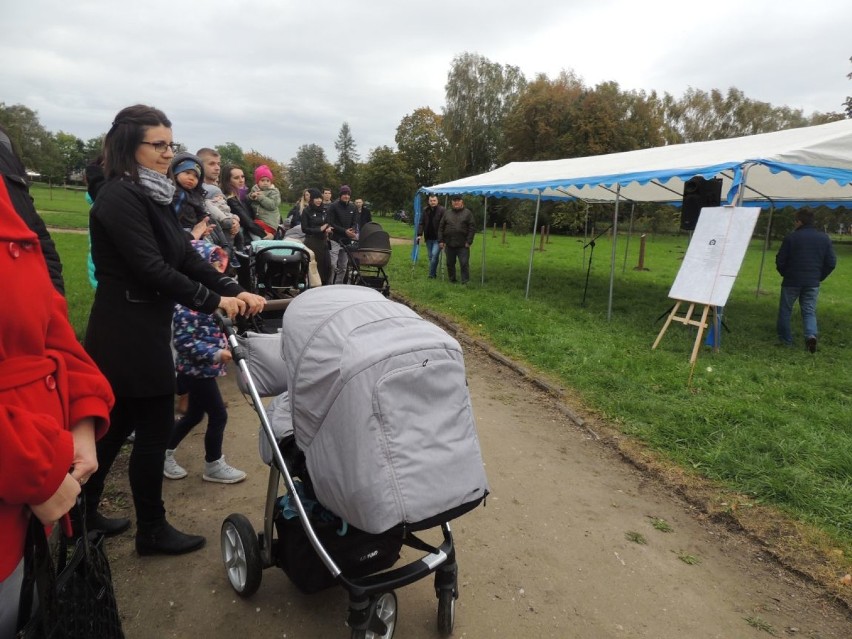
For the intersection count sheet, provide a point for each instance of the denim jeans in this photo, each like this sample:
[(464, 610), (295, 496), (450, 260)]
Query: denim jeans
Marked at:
[(807, 296), (433, 250)]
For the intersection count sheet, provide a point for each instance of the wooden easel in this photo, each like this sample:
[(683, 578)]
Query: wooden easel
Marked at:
[(687, 320)]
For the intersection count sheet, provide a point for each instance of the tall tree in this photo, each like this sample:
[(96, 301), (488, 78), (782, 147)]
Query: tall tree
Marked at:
[(700, 116), (539, 126), (347, 156), (422, 144), (386, 182), (72, 152), (479, 95), (610, 120), (232, 154), (253, 159), (94, 147), (33, 143), (848, 103), (309, 168)]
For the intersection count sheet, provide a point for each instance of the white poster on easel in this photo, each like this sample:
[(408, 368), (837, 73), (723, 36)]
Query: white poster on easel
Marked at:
[(715, 255)]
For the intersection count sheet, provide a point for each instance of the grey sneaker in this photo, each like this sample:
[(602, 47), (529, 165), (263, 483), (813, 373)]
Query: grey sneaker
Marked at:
[(171, 469), (220, 472)]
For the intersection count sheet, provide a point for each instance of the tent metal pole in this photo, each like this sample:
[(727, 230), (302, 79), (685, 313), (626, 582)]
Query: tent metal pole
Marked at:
[(765, 249), (612, 256), (629, 234), (739, 202), (484, 234), (532, 246)]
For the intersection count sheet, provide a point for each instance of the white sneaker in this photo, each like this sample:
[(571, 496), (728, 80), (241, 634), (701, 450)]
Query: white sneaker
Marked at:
[(171, 469), (220, 472)]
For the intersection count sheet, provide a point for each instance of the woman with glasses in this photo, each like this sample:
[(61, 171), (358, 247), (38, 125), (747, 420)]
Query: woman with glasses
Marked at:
[(232, 180), (144, 264)]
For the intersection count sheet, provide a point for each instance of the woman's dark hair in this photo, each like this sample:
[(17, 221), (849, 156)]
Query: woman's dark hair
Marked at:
[(126, 133), (225, 179)]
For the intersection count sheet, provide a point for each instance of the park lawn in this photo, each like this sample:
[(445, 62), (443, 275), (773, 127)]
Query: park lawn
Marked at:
[(61, 207), (772, 423)]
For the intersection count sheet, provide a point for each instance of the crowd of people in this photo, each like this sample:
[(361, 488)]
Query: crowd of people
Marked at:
[(167, 230)]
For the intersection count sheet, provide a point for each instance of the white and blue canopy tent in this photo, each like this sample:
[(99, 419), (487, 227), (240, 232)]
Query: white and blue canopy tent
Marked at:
[(809, 166)]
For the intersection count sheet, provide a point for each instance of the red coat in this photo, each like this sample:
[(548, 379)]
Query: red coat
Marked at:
[(47, 384)]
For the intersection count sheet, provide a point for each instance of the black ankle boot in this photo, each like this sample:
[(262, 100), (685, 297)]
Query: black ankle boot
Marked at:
[(109, 526), (166, 540)]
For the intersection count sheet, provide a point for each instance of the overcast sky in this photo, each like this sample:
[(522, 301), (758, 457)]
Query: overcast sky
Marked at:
[(272, 75)]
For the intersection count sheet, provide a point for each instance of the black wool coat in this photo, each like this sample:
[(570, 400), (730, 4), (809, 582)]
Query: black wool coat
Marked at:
[(144, 263)]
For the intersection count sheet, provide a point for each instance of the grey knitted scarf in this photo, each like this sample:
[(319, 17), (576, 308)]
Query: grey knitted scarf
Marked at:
[(158, 186)]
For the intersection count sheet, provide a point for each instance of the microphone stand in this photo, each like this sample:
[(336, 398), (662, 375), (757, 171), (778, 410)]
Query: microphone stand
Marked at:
[(591, 245)]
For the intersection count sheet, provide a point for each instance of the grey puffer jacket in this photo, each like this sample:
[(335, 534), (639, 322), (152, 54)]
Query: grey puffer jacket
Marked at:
[(457, 228)]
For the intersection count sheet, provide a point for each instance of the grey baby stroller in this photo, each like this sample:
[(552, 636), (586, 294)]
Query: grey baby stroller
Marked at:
[(367, 258), (367, 454)]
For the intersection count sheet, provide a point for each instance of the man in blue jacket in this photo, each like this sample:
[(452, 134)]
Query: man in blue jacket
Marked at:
[(805, 259)]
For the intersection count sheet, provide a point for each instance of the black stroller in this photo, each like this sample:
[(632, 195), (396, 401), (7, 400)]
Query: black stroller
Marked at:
[(363, 450), (276, 270), (367, 258)]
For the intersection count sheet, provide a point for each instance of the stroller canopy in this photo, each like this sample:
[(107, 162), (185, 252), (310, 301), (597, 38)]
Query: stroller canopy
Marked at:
[(381, 409), (373, 236)]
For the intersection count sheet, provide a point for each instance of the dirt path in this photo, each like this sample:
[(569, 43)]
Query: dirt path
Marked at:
[(556, 552)]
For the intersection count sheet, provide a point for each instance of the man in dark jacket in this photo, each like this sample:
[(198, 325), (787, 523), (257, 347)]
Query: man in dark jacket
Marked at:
[(428, 230), (455, 235), (17, 184), (343, 218), (805, 259)]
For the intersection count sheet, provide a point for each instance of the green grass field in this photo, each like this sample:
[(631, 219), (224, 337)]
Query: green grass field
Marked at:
[(772, 423)]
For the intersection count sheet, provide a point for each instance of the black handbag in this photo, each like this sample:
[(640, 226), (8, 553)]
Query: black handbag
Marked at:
[(76, 599)]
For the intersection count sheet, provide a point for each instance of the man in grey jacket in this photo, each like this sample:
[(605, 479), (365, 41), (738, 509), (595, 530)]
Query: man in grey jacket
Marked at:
[(455, 236)]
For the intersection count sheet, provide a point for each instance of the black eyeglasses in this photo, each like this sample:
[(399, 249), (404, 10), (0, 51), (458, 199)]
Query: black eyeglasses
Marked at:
[(160, 147)]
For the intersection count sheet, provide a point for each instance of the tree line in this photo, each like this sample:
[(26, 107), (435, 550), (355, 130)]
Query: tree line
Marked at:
[(492, 115)]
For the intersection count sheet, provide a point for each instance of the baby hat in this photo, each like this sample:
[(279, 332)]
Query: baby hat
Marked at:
[(262, 172), (211, 191), (187, 164)]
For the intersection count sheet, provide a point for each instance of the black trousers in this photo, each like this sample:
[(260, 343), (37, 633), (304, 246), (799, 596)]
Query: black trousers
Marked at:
[(153, 419), (463, 255), (204, 398)]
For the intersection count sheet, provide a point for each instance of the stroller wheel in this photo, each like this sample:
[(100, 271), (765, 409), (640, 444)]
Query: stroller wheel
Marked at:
[(446, 611), (241, 555), (385, 609)]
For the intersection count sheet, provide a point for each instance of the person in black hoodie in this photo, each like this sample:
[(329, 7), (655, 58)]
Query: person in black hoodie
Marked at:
[(18, 185), (343, 219), (317, 231)]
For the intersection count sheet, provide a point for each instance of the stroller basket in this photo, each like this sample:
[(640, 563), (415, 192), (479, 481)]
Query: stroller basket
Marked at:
[(371, 257)]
